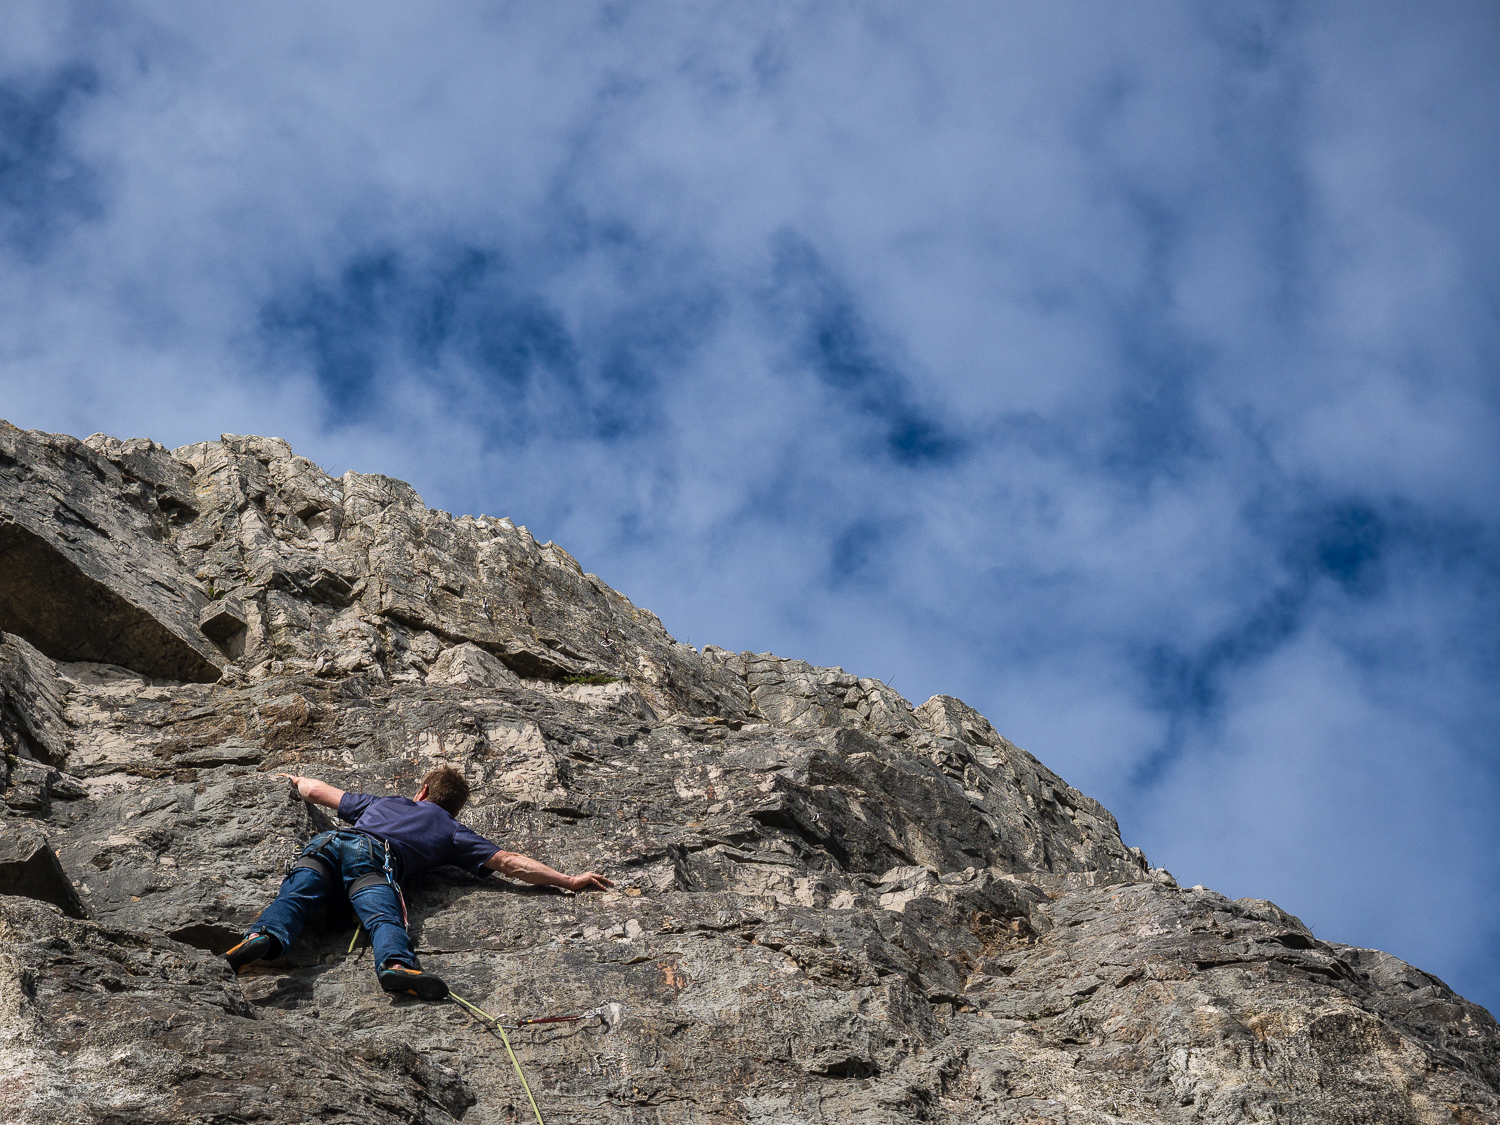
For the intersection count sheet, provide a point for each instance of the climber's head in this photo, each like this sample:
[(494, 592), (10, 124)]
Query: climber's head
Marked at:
[(446, 788)]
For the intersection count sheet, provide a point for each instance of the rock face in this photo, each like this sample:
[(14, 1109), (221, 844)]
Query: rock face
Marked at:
[(832, 906), (89, 574)]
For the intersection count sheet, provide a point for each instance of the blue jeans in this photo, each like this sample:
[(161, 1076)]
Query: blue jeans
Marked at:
[(350, 855)]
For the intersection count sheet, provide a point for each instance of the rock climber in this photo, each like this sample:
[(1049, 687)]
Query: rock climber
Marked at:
[(393, 839)]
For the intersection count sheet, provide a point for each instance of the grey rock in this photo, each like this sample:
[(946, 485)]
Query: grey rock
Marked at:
[(84, 574), (29, 869), (469, 664), (28, 784), (222, 620), (832, 905), (31, 703), (109, 1024), (150, 469)]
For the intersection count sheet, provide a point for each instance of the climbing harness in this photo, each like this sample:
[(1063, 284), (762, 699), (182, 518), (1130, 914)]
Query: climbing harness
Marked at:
[(387, 875), (376, 877)]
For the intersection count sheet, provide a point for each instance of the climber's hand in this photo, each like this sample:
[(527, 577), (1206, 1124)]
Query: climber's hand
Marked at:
[(589, 881)]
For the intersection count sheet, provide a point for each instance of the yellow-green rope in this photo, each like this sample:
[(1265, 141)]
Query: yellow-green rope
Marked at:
[(515, 1062), (483, 1015)]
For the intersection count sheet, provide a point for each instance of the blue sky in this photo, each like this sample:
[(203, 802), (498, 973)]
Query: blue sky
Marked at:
[(1129, 371)]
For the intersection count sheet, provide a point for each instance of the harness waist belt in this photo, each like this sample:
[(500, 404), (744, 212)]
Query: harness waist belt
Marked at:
[(392, 860), (386, 858)]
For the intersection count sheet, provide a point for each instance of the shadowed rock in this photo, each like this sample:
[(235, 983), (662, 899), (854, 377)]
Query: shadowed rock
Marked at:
[(83, 575), (29, 869)]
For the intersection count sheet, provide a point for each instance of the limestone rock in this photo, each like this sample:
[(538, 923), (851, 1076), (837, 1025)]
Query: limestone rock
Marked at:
[(84, 574), (101, 1023), (29, 869), (470, 664), (31, 704), (222, 621), (832, 905)]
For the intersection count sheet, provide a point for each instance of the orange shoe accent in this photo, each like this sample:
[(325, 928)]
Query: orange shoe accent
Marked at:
[(252, 947)]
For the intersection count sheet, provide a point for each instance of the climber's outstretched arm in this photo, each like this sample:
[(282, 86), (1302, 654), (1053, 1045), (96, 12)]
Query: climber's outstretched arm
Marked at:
[(315, 791), (528, 870)]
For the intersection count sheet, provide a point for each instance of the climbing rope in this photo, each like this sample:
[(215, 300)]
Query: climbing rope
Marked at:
[(515, 1062), (492, 1022)]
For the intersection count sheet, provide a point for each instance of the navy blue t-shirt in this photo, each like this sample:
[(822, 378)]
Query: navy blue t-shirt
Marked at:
[(422, 834)]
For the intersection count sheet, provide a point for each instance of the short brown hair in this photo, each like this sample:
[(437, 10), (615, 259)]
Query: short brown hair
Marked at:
[(447, 789)]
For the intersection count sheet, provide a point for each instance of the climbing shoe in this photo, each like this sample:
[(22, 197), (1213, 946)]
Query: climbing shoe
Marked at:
[(253, 948), (396, 977)]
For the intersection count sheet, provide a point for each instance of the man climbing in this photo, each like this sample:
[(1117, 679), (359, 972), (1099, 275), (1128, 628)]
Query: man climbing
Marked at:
[(393, 839)]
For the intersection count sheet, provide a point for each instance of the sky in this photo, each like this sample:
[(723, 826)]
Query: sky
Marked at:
[(1128, 371)]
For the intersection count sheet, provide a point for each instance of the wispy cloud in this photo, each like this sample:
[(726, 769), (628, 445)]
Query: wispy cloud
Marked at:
[(44, 186)]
